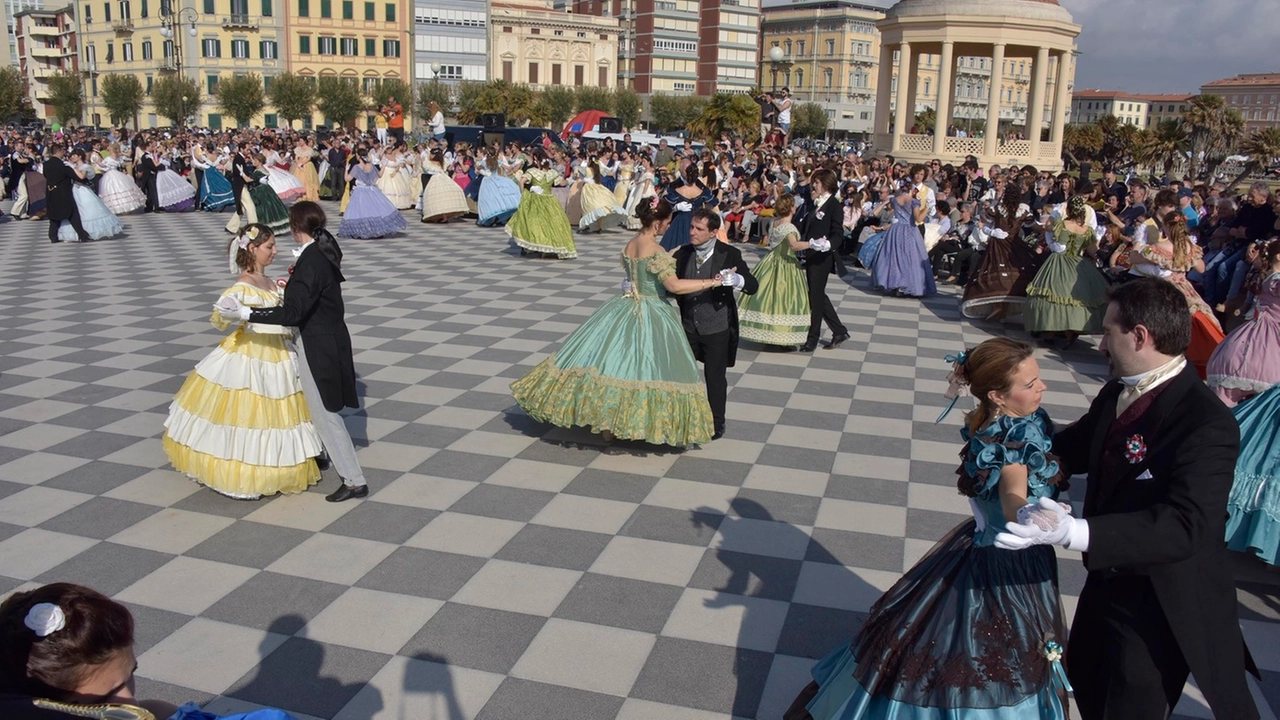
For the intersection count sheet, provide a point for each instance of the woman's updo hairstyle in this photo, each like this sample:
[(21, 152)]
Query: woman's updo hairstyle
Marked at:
[(1076, 208), (784, 205), (987, 368), (243, 244), (652, 211), (76, 630), (307, 218)]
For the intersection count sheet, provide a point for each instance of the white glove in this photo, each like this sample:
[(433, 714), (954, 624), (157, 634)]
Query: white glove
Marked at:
[(536, 189), (997, 233), (231, 309), (1045, 522), (731, 279), (1057, 247), (820, 244), (684, 207), (627, 287)]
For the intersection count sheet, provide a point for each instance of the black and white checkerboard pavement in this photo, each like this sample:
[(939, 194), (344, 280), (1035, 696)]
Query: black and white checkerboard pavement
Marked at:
[(500, 568)]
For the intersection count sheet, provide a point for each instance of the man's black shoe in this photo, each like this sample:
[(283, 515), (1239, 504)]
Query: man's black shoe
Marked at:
[(837, 340), (323, 462), (808, 347), (347, 492), (719, 433)]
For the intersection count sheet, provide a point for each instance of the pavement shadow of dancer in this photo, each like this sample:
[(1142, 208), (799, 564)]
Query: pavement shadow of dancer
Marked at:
[(809, 631), (289, 677), (431, 677)]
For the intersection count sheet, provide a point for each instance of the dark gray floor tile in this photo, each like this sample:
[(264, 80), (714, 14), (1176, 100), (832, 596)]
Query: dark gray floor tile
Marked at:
[(796, 458), (107, 567), (89, 395), (704, 676), (211, 503), (249, 544), (620, 602), (401, 411), (422, 573), (100, 517), (93, 417), (308, 677), (611, 485), (460, 465), (92, 445), (886, 410), (812, 632), (855, 549), (780, 506), (506, 503), (483, 400), (475, 637), (719, 472), (281, 603), (669, 525), (870, 490), (930, 524), (875, 445), (96, 478), (931, 473), (825, 389), (423, 435), (748, 431), (756, 396), (151, 625), (562, 455), (905, 381), (518, 699), (383, 522), (554, 547), (736, 573), (813, 420)]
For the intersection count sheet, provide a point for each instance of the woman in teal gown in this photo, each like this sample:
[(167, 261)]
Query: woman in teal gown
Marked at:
[(1253, 522), (628, 372), (972, 631)]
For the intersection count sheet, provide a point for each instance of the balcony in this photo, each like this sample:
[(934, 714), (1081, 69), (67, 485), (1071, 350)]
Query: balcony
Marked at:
[(45, 31), (51, 52), (167, 64), (239, 22), (122, 27)]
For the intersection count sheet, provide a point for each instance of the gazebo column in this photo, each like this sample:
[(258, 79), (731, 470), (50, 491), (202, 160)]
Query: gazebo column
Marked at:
[(1063, 101), (884, 88), (900, 126), (1035, 105), (991, 133), (946, 88)]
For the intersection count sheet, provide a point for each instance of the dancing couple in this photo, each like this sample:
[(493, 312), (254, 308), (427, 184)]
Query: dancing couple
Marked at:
[(253, 420), (975, 629)]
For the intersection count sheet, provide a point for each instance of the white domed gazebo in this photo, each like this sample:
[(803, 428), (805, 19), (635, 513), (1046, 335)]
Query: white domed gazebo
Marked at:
[(1036, 30)]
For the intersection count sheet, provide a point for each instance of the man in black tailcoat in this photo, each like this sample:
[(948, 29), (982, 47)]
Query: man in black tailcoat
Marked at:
[(60, 204), (823, 226), (710, 317), (1160, 452), (145, 170)]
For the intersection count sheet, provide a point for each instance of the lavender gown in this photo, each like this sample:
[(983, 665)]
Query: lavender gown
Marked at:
[(901, 264)]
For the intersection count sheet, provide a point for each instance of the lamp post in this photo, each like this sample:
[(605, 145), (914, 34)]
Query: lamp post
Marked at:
[(170, 29), (778, 63)]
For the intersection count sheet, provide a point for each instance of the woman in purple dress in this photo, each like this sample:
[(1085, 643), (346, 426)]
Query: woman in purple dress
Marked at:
[(1247, 362), (369, 213), (901, 265)]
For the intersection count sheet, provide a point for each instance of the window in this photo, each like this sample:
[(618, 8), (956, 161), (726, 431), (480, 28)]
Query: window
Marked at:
[(240, 49), (146, 49), (326, 8), (88, 15), (304, 44), (127, 51), (304, 8), (579, 73), (124, 10), (826, 77), (209, 9), (106, 11), (800, 47), (602, 78), (533, 73), (111, 52), (215, 121), (211, 85), (240, 10), (831, 47), (391, 13), (266, 8), (328, 45), (370, 9), (211, 48), (555, 74), (799, 78), (370, 85), (269, 120), (787, 45), (927, 84), (348, 9), (370, 47), (391, 48), (144, 9), (350, 47), (149, 83), (269, 50), (266, 82), (168, 48), (507, 70)]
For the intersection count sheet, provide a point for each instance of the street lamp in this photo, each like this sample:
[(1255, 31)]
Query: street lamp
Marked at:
[(169, 29), (435, 71), (778, 63)]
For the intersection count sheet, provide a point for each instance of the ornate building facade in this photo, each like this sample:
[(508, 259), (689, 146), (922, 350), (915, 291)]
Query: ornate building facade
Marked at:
[(46, 46), (531, 42)]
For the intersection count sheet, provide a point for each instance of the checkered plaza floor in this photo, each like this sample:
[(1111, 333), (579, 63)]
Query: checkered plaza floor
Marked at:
[(500, 568)]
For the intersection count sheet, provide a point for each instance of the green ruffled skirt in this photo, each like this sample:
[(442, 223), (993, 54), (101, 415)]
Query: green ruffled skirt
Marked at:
[(628, 370), (1068, 294), (540, 225), (778, 314)]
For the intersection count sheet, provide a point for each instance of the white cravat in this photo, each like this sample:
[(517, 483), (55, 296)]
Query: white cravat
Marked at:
[(1138, 385), (704, 251)]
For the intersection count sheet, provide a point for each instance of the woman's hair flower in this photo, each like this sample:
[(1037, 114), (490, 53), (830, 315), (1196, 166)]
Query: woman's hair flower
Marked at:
[(44, 619)]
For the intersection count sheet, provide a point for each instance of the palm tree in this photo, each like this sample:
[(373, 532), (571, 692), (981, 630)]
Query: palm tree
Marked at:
[(737, 114), (1165, 145), (1080, 142), (1213, 130), (1263, 149)]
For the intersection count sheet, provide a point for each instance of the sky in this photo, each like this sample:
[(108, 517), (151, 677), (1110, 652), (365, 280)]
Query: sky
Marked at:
[(1167, 46)]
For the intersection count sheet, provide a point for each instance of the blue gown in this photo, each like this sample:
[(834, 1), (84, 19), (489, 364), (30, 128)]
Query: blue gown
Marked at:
[(499, 198), (1253, 523), (677, 233), (963, 634), (902, 264), (215, 191)]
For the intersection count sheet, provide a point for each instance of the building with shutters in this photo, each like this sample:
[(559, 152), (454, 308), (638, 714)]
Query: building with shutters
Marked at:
[(532, 42), (46, 45), (1255, 95)]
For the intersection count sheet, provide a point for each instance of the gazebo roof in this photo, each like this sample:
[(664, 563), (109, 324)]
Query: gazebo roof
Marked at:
[(1022, 9)]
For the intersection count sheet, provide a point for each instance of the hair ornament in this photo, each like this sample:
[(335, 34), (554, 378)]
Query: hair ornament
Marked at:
[(653, 205), (44, 619), (957, 382)]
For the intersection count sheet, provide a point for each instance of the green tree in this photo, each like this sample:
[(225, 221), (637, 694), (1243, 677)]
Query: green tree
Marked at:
[(66, 96), (556, 103), (809, 120), (437, 92), (1080, 142), (519, 103), (1213, 129), (241, 97), (12, 92), (1163, 146), (389, 88), (339, 100), (627, 107), (467, 96), (925, 120), (176, 98), (736, 114), (587, 97), (1263, 151), (293, 96), (670, 112), (122, 95)]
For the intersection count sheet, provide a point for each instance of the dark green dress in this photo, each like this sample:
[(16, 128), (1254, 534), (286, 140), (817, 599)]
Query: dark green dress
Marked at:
[(271, 212), (1069, 293)]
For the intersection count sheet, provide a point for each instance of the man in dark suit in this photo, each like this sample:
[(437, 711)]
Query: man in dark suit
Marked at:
[(60, 204), (313, 304), (235, 175), (821, 227), (711, 316), (1160, 451), (146, 170)]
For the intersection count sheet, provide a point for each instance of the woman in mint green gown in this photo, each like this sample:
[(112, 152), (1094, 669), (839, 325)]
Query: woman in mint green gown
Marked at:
[(628, 372), (540, 224), (778, 313)]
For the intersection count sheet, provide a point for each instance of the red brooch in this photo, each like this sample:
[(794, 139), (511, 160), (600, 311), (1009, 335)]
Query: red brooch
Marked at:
[(290, 269), (281, 282), (1135, 449)]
